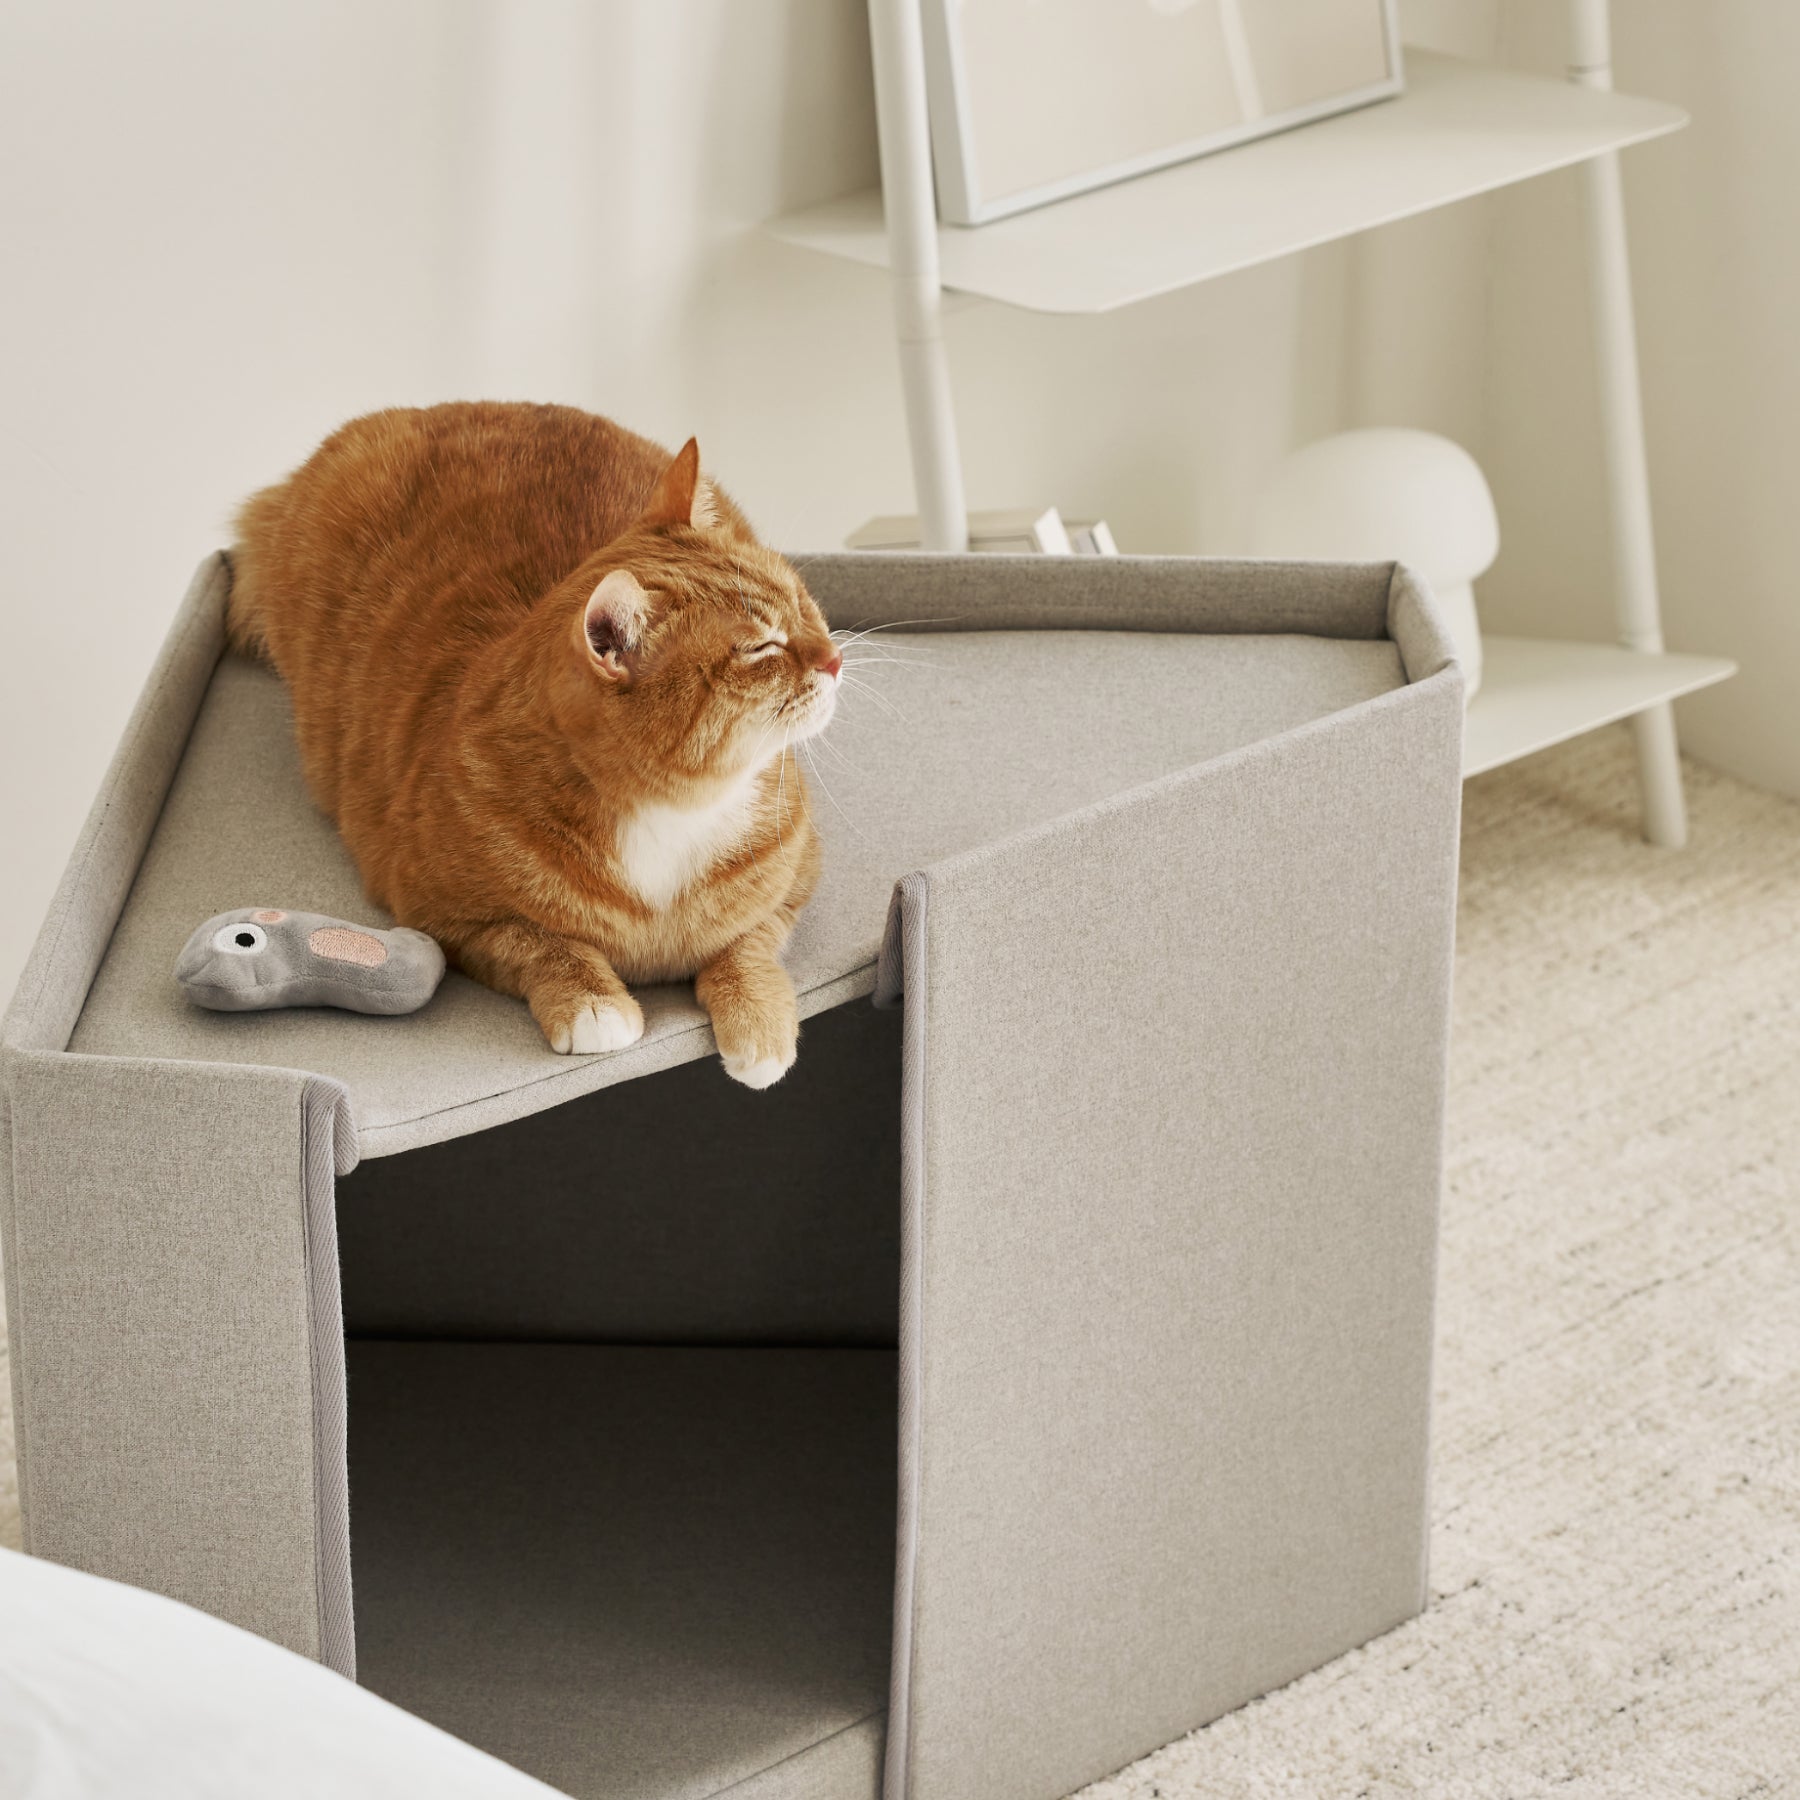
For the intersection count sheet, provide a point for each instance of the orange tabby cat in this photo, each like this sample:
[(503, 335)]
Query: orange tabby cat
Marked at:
[(548, 683)]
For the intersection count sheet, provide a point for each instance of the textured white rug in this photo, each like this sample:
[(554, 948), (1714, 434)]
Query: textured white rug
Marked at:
[(1616, 1540)]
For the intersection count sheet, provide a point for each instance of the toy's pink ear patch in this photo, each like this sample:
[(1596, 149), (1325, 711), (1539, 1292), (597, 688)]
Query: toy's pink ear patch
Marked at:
[(268, 916), (337, 943)]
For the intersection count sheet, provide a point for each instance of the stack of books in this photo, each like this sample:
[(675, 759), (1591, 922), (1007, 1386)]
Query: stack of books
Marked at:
[(1020, 533)]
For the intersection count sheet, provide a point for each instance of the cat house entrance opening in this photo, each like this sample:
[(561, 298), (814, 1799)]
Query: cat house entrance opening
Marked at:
[(622, 1423)]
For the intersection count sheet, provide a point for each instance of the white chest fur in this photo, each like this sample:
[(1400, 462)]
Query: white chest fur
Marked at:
[(663, 848)]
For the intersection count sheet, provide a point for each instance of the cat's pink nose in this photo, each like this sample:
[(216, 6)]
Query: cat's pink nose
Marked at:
[(837, 662)]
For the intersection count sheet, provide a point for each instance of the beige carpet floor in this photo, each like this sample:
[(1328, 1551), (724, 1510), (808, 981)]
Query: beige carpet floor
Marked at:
[(1616, 1535)]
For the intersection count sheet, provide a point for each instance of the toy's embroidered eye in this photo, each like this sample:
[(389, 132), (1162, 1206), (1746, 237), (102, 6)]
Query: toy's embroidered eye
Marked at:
[(241, 939)]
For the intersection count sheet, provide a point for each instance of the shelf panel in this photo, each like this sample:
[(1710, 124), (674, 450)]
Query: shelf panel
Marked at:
[(1536, 692), (1460, 129), (630, 1571)]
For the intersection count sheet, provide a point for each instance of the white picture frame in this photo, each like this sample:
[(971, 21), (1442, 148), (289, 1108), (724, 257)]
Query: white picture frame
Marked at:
[(1035, 100)]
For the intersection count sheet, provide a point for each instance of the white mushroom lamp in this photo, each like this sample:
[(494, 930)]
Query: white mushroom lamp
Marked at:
[(1388, 495)]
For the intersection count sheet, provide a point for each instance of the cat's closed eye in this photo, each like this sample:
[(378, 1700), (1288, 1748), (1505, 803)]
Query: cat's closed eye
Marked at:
[(767, 647)]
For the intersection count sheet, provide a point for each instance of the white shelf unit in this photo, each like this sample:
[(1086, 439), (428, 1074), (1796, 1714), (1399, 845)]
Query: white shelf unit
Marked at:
[(1536, 692), (1460, 129)]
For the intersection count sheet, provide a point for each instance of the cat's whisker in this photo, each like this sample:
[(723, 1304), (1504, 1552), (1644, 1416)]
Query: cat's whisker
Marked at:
[(781, 787), (869, 640), (818, 775), (857, 668), (844, 639), (756, 753), (838, 756), (863, 631), (886, 647), (863, 662), (755, 763), (851, 679), (874, 694)]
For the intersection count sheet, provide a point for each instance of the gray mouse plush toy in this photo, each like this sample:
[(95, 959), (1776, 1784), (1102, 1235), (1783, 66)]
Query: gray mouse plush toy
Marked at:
[(261, 956)]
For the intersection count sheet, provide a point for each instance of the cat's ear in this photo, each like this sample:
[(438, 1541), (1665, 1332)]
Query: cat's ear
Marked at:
[(612, 624), (681, 496)]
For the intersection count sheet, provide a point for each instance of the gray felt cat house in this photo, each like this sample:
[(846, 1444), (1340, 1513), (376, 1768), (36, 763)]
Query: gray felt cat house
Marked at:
[(1036, 1373)]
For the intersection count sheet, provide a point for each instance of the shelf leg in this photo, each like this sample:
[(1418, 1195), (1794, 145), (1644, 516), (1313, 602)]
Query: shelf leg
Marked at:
[(896, 36), (1636, 603)]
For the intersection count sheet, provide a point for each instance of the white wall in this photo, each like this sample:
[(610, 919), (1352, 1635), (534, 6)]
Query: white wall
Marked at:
[(225, 227), (232, 226)]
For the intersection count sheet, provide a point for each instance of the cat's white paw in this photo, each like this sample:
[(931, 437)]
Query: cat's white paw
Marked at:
[(599, 1026), (758, 1071)]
